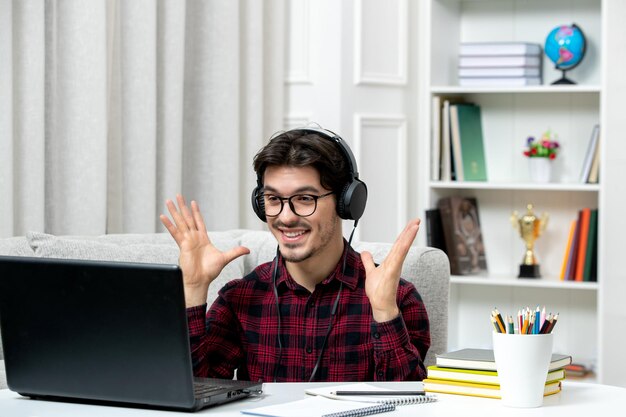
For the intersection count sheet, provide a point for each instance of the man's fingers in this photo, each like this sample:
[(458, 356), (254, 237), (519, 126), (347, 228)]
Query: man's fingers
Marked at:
[(368, 261), (180, 223), (235, 253), (197, 217), (403, 243), (186, 213), (170, 227)]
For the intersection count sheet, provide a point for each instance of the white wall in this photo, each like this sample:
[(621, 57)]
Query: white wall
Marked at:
[(350, 68)]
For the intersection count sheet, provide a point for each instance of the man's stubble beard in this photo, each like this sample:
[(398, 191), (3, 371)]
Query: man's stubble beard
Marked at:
[(326, 234)]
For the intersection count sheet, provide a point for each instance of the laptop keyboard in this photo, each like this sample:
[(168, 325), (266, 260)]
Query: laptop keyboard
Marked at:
[(206, 390)]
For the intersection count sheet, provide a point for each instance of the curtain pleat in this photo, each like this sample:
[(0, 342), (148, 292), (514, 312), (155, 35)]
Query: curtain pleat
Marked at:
[(112, 106), (138, 114), (7, 216), (29, 114), (76, 118), (211, 123), (170, 94)]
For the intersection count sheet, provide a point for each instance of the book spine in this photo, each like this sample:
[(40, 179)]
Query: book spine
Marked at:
[(499, 81), (499, 61), (589, 155), (582, 248), (500, 72), (447, 222), (571, 261), (499, 49), (446, 169), (434, 230), (568, 248), (435, 151), (457, 152), (595, 165), (592, 247)]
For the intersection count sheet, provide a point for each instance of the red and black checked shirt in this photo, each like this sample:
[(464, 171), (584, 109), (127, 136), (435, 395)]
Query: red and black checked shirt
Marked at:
[(240, 330)]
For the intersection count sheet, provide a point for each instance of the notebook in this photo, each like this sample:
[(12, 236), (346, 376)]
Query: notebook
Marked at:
[(319, 407), (102, 332)]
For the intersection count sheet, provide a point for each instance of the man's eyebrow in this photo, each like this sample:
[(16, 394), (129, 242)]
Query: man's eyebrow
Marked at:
[(304, 189)]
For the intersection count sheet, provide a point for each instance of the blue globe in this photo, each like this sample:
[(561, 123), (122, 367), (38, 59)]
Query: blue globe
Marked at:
[(565, 46)]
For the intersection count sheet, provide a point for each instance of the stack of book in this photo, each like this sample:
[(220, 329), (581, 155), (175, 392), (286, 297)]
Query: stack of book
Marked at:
[(473, 372), (580, 261), (500, 64)]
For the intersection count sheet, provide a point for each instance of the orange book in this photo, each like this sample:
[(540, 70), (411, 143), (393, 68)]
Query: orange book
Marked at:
[(570, 238), (582, 247)]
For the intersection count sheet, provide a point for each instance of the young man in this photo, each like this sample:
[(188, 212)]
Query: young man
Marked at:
[(319, 311)]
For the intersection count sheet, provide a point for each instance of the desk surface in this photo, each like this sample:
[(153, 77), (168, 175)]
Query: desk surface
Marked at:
[(576, 399)]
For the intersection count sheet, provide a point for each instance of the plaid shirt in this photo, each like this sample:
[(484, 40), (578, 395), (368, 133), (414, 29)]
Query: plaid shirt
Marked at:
[(240, 330)]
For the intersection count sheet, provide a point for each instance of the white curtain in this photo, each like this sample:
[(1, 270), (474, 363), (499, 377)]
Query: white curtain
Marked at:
[(108, 107)]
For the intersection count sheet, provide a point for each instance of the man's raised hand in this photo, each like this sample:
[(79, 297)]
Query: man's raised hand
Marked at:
[(381, 282), (200, 261)]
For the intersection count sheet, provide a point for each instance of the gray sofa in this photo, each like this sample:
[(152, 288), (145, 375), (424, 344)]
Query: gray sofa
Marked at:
[(426, 268)]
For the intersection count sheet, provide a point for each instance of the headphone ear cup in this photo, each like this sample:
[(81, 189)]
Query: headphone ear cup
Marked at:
[(341, 202), (258, 205), (351, 202)]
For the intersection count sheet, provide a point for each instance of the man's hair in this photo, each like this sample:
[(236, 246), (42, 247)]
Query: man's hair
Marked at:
[(300, 148)]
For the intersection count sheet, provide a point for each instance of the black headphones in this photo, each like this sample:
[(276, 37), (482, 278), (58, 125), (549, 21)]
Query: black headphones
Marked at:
[(351, 202)]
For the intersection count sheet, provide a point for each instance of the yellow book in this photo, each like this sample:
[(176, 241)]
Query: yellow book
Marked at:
[(476, 390), (570, 237), (480, 377)]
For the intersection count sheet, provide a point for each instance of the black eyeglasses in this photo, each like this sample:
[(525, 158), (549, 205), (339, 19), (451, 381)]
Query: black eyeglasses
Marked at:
[(302, 205)]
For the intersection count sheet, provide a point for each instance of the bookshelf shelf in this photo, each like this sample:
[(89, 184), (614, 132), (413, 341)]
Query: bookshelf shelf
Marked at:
[(510, 115), (508, 281), (456, 185), (543, 89)]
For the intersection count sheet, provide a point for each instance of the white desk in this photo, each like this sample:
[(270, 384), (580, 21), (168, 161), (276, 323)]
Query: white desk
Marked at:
[(576, 399)]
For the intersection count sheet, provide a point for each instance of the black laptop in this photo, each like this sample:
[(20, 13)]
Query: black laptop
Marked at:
[(94, 331)]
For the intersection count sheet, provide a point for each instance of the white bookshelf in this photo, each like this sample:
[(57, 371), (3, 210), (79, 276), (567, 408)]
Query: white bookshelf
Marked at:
[(509, 116)]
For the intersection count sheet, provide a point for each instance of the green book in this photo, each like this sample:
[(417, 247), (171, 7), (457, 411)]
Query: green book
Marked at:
[(591, 252), (471, 138)]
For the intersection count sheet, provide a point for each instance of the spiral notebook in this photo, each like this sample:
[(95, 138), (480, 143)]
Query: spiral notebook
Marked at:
[(319, 407), (364, 388)]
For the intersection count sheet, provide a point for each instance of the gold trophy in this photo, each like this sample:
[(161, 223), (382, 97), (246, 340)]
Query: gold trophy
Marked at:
[(530, 228)]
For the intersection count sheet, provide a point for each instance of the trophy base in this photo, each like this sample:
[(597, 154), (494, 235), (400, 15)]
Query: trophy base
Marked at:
[(529, 271)]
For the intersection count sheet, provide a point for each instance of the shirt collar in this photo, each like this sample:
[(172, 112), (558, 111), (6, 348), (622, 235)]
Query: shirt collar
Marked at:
[(350, 277)]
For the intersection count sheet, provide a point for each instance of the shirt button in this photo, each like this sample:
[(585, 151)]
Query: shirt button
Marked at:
[(309, 350), (376, 335)]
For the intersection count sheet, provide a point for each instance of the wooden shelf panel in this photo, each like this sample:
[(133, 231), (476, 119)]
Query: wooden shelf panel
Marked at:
[(489, 185), (540, 89), (520, 282)]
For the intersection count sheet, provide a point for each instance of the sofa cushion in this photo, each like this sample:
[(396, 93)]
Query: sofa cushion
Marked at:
[(93, 248), (15, 246), (148, 248)]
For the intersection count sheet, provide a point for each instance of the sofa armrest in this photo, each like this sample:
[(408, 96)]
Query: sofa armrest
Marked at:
[(3, 375)]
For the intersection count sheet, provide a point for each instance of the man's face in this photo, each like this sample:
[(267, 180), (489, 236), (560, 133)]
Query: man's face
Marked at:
[(301, 238)]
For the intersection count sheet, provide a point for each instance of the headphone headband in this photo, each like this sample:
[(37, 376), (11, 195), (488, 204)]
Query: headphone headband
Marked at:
[(345, 149)]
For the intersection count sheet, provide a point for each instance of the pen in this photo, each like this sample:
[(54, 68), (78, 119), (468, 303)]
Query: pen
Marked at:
[(392, 393)]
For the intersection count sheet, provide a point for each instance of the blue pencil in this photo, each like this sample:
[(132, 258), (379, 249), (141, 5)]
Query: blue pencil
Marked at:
[(537, 321)]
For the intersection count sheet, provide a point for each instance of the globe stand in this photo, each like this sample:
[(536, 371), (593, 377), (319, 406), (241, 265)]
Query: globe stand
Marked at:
[(563, 80)]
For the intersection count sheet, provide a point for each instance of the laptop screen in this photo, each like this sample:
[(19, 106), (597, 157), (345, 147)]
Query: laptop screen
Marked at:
[(96, 330)]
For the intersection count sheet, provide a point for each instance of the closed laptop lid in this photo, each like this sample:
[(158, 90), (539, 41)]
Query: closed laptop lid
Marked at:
[(96, 330)]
